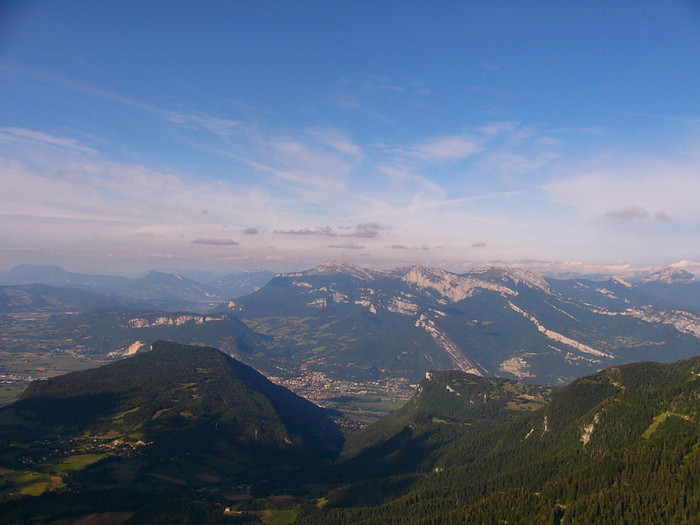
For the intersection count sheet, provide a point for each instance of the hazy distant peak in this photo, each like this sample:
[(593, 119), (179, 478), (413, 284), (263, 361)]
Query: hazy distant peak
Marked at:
[(504, 274), (342, 267), (42, 267), (36, 273), (161, 275), (670, 275), (425, 277), (457, 287), (165, 272), (423, 272)]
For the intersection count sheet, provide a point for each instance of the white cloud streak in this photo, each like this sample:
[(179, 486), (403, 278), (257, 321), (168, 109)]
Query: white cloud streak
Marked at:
[(429, 191), (23, 135), (445, 149), (216, 125), (666, 187)]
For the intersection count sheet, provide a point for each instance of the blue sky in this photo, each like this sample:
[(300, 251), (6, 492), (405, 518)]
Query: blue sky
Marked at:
[(231, 135)]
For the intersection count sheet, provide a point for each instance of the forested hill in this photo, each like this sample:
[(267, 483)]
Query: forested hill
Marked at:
[(465, 402), (621, 446), (176, 399)]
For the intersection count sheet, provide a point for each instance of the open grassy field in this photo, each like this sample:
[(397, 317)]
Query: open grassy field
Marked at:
[(11, 391), (28, 482), (280, 517), (75, 462), (18, 369)]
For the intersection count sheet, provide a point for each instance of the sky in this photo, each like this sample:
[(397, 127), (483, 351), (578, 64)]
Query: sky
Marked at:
[(224, 136)]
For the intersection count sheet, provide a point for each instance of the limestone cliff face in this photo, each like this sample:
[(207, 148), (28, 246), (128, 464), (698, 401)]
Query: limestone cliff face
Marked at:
[(173, 320)]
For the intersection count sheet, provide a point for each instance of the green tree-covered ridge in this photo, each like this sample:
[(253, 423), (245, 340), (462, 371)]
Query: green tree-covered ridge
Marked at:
[(621, 446), (174, 399)]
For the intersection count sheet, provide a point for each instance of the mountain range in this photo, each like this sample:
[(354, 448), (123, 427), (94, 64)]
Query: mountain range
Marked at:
[(362, 324), (42, 298), (163, 290)]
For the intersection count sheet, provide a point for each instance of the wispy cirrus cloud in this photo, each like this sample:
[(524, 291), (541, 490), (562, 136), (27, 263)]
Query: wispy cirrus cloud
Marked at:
[(399, 175), (379, 84), (337, 141), (445, 149), (52, 178), (304, 163), (497, 128), (29, 135), (216, 125), (359, 91), (193, 120), (367, 95), (312, 167)]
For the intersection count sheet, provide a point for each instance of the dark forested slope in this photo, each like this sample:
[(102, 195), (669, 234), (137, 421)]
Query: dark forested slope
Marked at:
[(621, 446)]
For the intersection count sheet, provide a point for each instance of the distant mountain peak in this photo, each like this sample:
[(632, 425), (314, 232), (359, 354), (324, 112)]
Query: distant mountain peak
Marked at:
[(423, 272), (36, 273), (450, 285), (332, 267), (44, 267), (504, 274), (457, 287), (164, 273), (621, 281), (167, 277), (671, 275)]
